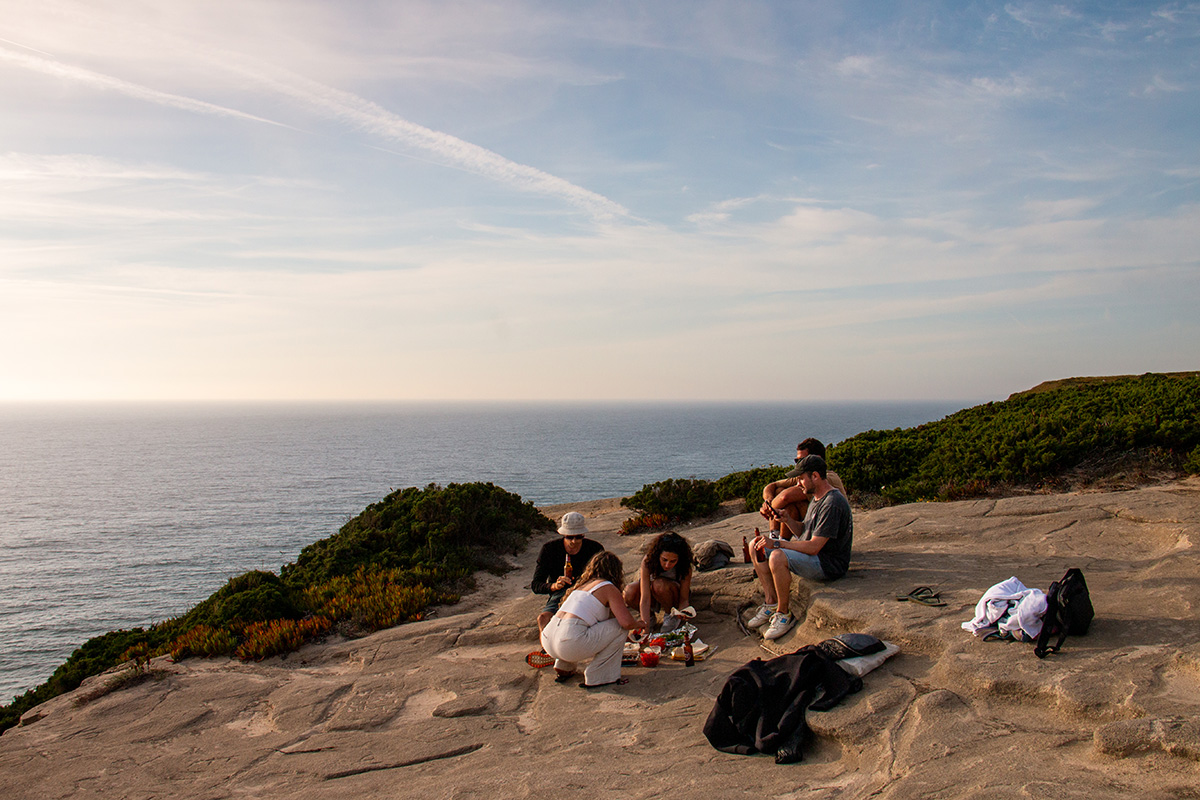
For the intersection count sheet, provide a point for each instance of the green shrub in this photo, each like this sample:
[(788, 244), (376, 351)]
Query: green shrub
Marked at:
[(748, 485), (1028, 438), (1191, 464), (93, 657), (252, 597), (397, 557), (678, 499), (449, 532)]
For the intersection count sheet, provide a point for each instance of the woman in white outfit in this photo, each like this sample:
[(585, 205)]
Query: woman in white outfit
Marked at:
[(591, 624)]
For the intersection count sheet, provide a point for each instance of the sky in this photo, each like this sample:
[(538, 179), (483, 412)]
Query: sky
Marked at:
[(302, 200)]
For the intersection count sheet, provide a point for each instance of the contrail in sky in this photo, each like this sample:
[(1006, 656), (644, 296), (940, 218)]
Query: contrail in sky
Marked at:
[(24, 46), (353, 110), (372, 118), (60, 70)]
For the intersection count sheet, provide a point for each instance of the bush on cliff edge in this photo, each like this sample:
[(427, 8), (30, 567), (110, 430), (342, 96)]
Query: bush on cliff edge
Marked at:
[(415, 548)]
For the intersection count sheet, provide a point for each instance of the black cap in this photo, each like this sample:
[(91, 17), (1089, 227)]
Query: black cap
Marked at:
[(808, 464)]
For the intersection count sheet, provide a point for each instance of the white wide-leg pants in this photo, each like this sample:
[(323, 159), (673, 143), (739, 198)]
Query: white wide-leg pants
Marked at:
[(572, 640)]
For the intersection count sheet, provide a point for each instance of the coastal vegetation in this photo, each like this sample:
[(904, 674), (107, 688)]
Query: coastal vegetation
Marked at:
[(1058, 434), (669, 502), (1082, 430), (420, 547), (414, 549), (675, 501), (748, 484)]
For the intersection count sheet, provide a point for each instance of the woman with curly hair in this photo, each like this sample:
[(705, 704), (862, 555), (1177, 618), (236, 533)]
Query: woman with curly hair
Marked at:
[(591, 624), (665, 578)]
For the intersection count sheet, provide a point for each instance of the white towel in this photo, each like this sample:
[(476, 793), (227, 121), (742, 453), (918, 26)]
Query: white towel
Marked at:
[(1010, 606)]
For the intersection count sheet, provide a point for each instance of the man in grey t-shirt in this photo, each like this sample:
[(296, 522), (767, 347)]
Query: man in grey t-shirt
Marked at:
[(786, 497), (820, 549)]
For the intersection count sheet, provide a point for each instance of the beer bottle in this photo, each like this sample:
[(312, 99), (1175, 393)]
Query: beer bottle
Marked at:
[(745, 551), (689, 659), (568, 570)]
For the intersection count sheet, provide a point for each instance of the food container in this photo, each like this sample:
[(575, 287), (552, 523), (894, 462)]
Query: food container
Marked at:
[(650, 656), (700, 651)]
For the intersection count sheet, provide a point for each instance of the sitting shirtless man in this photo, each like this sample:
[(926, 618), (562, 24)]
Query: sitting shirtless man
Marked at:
[(786, 497)]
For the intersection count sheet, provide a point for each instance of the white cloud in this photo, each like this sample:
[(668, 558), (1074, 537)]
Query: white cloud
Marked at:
[(1014, 86), (1060, 209), (857, 66), (329, 102), (1160, 85), (153, 255), (57, 168), (1040, 19)]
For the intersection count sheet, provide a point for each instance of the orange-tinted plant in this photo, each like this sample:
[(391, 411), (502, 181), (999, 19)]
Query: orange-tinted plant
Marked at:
[(266, 639), (140, 654), (373, 598), (203, 641)]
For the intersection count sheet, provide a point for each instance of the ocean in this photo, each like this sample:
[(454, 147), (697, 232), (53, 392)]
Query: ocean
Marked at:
[(121, 515)]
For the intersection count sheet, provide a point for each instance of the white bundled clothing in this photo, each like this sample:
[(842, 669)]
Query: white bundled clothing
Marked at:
[(1009, 606)]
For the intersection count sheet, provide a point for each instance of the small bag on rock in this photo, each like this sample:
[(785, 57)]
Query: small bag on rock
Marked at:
[(1068, 612), (712, 554)]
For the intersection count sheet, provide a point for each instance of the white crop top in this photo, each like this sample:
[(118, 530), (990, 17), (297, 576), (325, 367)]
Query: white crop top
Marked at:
[(586, 606)]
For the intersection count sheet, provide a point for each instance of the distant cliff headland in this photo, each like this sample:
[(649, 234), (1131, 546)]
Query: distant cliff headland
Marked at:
[(420, 547)]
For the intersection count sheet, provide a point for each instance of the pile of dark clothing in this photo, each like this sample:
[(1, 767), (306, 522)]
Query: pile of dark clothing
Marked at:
[(761, 708)]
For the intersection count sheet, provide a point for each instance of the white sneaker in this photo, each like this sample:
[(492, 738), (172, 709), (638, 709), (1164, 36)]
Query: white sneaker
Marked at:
[(780, 624), (761, 617)]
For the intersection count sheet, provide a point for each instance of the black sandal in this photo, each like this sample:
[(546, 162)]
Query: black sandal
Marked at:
[(617, 682), (923, 595)]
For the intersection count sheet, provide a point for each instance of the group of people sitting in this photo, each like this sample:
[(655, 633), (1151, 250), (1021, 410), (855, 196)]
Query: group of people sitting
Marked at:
[(589, 616), (590, 611)]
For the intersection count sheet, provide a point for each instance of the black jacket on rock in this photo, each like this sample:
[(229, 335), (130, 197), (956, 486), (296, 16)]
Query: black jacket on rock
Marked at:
[(761, 707)]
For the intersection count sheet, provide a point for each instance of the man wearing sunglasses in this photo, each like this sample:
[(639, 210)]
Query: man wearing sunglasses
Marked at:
[(786, 497), (550, 575)]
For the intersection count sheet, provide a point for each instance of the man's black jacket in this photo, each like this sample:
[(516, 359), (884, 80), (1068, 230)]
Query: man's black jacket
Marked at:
[(762, 704)]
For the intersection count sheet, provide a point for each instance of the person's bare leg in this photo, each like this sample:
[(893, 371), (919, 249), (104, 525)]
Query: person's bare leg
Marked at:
[(666, 593), (781, 575), (792, 501), (765, 580)]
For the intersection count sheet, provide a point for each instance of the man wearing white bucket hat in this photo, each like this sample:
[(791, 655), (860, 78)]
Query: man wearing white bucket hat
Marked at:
[(552, 575)]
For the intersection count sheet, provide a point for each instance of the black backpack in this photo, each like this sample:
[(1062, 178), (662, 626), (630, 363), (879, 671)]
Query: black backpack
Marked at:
[(1068, 612)]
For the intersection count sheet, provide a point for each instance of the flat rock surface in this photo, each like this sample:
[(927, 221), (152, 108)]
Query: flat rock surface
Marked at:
[(447, 707)]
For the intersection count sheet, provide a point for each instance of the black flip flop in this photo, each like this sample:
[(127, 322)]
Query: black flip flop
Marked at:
[(617, 682), (923, 595)]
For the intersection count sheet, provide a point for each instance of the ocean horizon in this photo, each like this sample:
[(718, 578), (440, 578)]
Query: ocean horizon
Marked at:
[(120, 515)]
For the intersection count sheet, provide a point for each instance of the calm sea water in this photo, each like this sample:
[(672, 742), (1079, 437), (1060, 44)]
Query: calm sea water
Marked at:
[(122, 515)]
